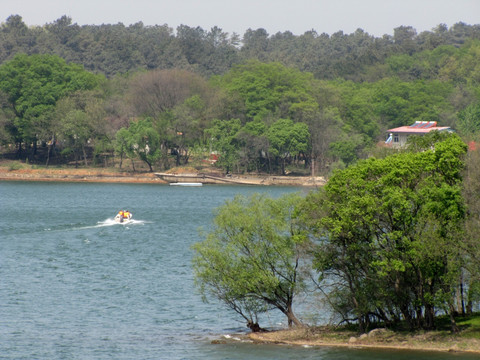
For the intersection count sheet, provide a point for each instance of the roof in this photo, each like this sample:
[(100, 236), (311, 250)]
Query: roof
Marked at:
[(420, 127)]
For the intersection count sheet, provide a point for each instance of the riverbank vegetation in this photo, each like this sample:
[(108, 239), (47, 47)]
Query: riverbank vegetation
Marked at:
[(386, 242), (114, 96)]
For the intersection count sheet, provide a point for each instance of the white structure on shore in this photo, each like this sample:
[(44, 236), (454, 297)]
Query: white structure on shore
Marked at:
[(398, 136)]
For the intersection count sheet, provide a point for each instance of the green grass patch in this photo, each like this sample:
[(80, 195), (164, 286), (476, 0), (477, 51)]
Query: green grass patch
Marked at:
[(16, 165)]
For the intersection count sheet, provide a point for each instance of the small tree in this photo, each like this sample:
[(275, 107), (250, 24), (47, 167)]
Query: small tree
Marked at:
[(122, 139), (251, 259), (140, 140), (145, 141)]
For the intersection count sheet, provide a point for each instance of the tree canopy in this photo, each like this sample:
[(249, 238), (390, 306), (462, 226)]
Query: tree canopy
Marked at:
[(252, 259), (388, 234), (346, 89), (34, 84)]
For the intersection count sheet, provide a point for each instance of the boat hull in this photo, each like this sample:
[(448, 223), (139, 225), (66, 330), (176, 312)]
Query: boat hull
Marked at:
[(122, 220)]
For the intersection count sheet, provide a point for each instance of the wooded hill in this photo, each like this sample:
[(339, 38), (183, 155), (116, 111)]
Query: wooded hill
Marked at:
[(261, 102)]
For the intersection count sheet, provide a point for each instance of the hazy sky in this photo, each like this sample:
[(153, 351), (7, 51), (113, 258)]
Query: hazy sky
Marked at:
[(377, 17)]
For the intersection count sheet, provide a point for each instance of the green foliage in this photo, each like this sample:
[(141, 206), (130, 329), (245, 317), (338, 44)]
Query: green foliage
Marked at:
[(34, 84), (251, 259), (222, 135), (187, 123), (389, 232), (267, 89), (346, 148), (374, 84), (142, 141), (468, 122), (400, 103), (287, 139)]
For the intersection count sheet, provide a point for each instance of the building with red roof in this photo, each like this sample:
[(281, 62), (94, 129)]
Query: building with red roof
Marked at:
[(398, 136)]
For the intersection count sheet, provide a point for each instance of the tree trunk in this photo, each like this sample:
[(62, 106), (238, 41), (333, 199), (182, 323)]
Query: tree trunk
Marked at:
[(462, 299), (149, 165), (254, 327), (121, 159), (429, 317), (312, 160), (292, 319), (19, 150), (84, 155), (48, 154), (76, 158), (469, 307), (177, 158), (453, 324)]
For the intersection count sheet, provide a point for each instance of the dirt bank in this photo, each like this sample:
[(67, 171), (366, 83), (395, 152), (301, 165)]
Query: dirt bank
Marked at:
[(376, 339), (29, 173), (77, 175)]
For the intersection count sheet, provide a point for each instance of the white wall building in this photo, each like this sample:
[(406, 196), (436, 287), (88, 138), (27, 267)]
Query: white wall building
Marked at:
[(398, 136)]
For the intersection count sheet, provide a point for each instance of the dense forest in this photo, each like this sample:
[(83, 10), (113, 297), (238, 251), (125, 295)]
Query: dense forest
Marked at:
[(104, 94)]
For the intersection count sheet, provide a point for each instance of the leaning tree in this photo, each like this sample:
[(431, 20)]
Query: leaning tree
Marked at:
[(252, 258)]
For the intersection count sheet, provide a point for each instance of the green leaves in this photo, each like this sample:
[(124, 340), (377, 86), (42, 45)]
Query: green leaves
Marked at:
[(140, 140), (250, 260), (222, 137), (267, 89), (35, 83), (392, 226)]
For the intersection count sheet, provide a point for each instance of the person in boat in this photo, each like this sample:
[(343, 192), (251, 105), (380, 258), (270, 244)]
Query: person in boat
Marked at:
[(119, 216), (126, 214)]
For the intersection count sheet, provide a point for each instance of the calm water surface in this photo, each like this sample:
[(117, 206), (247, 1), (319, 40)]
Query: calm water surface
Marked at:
[(75, 285)]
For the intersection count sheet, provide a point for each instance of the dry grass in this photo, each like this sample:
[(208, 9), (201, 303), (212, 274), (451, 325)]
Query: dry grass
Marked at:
[(14, 170), (379, 338)]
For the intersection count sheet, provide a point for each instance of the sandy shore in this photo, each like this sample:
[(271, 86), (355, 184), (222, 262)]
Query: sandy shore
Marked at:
[(376, 339), (77, 175), (109, 176)]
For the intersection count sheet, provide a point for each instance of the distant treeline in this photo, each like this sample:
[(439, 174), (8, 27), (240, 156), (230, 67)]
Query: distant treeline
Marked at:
[(113, 49), (261, 103)]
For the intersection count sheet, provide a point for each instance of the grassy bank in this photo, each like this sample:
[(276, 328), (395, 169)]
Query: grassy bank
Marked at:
[(441, 339)]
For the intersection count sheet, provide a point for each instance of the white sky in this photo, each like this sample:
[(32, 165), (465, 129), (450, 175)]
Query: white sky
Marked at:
[(377, 17)]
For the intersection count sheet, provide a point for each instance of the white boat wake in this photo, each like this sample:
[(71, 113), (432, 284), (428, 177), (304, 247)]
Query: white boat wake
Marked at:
[(112, 222), (100, 224)]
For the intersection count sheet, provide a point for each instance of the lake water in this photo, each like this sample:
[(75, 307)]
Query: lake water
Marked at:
[(75, 285)]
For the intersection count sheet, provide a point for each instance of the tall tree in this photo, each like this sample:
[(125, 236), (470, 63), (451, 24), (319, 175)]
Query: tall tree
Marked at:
[(252, 258), (79, 123), (154, 92), (34, 84), (389, 234), (270, 89), (287, 140)]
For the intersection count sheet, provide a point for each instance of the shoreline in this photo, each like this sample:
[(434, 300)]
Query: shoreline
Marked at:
[(107, 176), (78, 176), (376, 339)]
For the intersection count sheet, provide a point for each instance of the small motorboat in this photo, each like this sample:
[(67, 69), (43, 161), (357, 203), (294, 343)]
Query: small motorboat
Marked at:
[(186, 184), (123, 216)]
